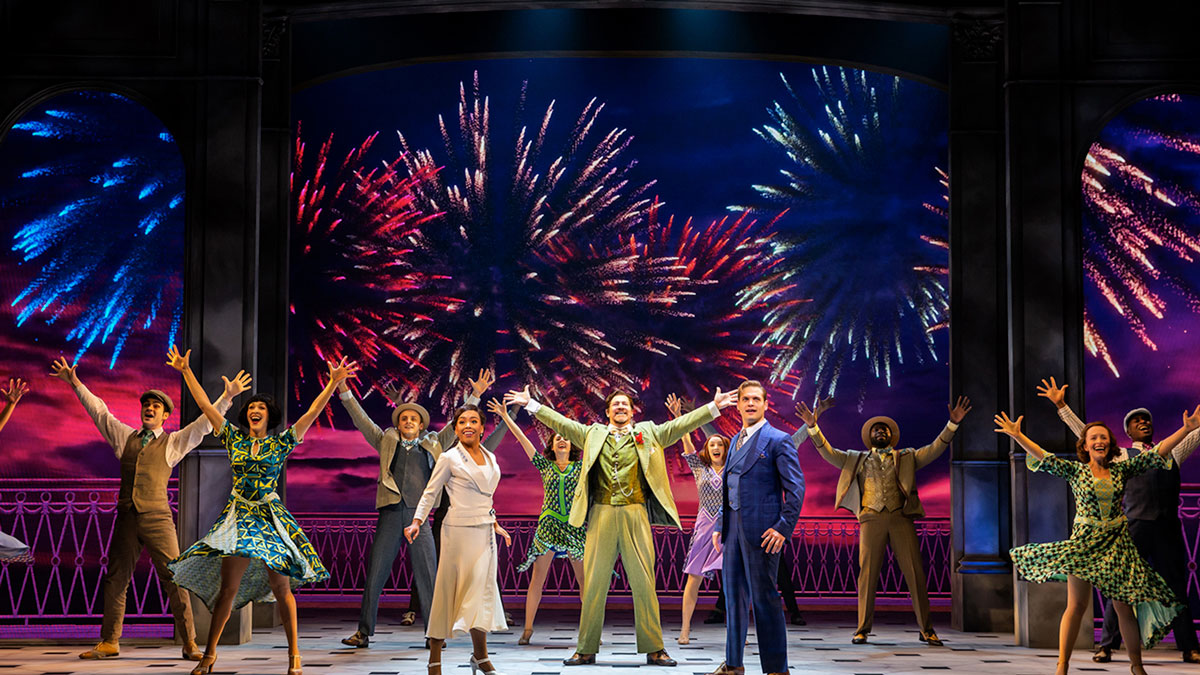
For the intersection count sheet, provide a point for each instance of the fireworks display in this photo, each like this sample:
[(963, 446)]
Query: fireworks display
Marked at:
[(351, 249), (102, 219), (861, 277), (1140, 227), (538, 272)]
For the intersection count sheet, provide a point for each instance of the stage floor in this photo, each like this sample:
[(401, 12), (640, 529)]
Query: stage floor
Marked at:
[(823, 646)]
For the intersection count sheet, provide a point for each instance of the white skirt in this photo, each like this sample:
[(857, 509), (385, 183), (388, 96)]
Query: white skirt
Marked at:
[(13, 549), (466, 592)]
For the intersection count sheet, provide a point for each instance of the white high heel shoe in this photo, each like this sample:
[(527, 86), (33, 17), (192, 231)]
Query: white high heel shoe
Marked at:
[(476, 667)]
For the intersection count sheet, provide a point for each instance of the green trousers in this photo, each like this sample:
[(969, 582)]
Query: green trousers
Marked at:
[(623, 531)]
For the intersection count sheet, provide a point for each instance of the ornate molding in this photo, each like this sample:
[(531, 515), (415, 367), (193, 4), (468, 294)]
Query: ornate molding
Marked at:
[(273, 29), (979, 39)]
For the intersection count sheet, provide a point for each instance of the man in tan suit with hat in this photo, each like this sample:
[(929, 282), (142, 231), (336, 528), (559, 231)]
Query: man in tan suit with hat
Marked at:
[(407, 453), (879, 486), (147, 456), (623, 489)]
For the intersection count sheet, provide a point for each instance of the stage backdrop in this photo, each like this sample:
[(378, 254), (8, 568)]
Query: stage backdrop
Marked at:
[(1141, 196), (584, 224), (91, 190)]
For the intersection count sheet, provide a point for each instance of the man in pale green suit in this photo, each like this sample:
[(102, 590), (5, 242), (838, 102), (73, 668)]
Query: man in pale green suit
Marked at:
[(623, 490)]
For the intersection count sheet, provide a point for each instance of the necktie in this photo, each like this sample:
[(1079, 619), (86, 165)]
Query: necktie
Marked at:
[(147, 436)]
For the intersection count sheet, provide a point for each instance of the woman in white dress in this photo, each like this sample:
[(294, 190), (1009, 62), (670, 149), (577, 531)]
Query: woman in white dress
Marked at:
[(466, 593)]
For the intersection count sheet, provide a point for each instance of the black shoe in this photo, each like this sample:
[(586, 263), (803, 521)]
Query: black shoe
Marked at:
[(580, 660), (715, 617), (797, 619), (1102, 655), (859, 639), (659, 658), (930, 639), (1191, 656)]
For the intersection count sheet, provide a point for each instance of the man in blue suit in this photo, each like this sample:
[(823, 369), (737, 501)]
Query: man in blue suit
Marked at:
[(764, 488)]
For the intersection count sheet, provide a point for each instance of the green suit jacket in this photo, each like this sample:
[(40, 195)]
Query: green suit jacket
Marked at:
[(660, 503)]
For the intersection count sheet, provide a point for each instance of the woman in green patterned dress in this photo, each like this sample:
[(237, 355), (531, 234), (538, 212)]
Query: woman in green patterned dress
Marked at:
[(256, 549), (1100, 552), (559, 465)]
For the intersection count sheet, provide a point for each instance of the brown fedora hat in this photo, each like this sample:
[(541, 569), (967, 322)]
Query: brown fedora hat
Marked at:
[(880, 419)]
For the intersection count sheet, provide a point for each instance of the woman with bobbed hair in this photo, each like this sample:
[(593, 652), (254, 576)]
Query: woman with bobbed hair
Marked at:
[(256, 549), (1100, 551), (466, 593)]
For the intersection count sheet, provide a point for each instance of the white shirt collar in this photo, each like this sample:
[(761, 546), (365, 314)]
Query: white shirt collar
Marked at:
[(157, 432), (614, 429), (753, 429)]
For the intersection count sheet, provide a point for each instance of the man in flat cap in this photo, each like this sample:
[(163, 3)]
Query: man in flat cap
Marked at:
[(1152, 510), (879, 486), (407, 453), (147, 457)]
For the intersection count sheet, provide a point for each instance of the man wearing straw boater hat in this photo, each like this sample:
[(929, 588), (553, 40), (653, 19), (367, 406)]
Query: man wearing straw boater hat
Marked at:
[(407, 453), (147, 456), (879, 486)]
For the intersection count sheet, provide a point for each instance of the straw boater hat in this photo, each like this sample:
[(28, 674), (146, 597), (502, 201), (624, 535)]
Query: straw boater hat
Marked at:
[(420, 409), (161, 397), (891, 424), (1131, 413)]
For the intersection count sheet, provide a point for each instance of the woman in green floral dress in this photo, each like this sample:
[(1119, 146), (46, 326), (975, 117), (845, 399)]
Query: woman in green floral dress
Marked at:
[(1099, 551), (256, 549), (559, 463)]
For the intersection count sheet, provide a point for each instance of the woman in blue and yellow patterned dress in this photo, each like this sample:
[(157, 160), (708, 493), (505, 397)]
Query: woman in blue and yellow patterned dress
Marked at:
[(1100, 551), (256, 549), (559, 463)]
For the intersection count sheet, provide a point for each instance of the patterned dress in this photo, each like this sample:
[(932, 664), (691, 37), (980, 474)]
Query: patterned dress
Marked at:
[(702, 557), (253, 525), (553, 532), (1100, 550)]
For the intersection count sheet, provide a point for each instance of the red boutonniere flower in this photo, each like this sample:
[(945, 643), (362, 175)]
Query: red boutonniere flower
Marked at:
[(637, 438)]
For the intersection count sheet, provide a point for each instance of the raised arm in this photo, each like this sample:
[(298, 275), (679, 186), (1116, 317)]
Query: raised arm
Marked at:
[(675, 407), (1012, 429), (573, 431), (801, 434), (1190, 423), (926, 455), (338, 373), (181, 363), (829, 453), (1057, 395), (114, 431), (362, 422), (498, 408), (16, 389), (670, 432), (188, 437)]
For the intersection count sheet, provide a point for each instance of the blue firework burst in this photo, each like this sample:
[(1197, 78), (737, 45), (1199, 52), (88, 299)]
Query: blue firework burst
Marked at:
[(864, 246), (95, 199)]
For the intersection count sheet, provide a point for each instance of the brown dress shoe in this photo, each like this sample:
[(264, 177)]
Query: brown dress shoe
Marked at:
[(1102, 655), (103, 650), (578, 659), (190, 651), (728, 670), (859, 639), (1191, 656), (359, 639), (659, 658), (930, 639)]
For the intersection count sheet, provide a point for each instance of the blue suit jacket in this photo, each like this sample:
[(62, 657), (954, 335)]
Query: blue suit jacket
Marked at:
[(770, 485)]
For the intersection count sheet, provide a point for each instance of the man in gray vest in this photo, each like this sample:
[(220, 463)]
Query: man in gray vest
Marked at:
[(407, 454), (147, 456), (1152, 510)]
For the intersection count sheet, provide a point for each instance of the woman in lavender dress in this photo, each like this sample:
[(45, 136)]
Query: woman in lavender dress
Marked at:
[(703, 560)]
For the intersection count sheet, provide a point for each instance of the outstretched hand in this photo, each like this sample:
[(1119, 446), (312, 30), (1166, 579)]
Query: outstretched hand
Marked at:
[(519, 397), (392, 393), (961, 407), (16, 389), (240, 383), (342, 370), (822, 405), (1191, 422), (726, 399), (498, 408), (1007, 426), (487, 377), (177, 361), (674, 405), (1052, 391), (65, 372), (806, 415)]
